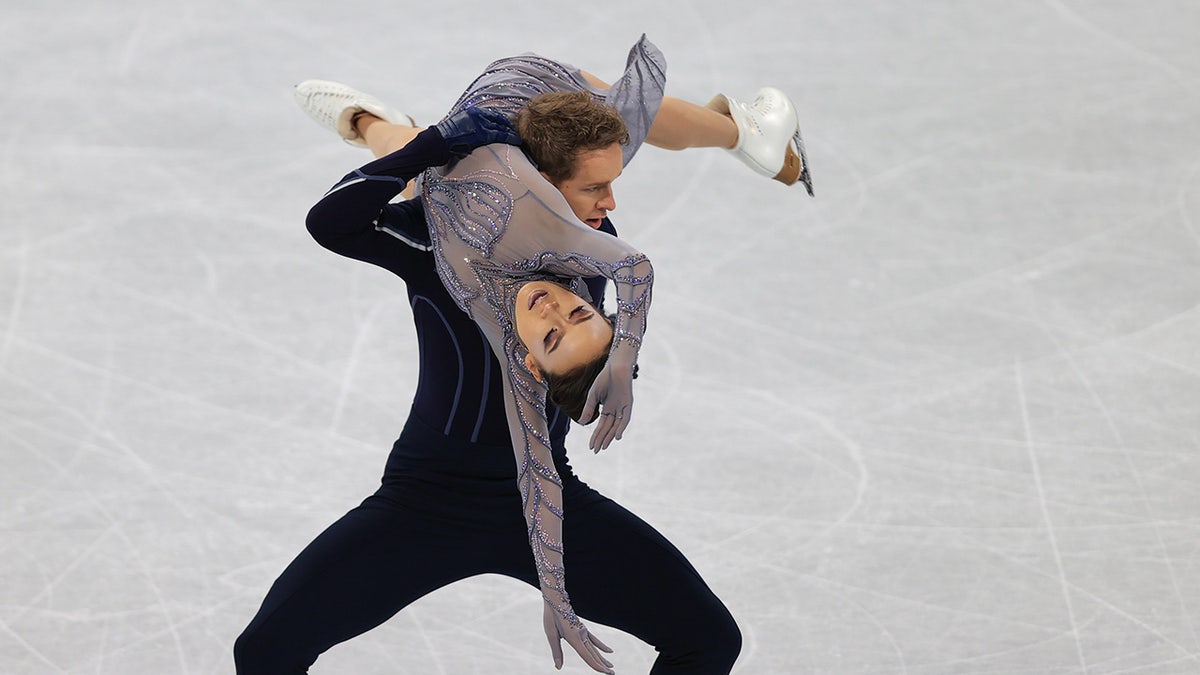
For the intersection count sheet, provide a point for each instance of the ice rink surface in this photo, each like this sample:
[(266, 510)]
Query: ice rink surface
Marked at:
[(942, 419)]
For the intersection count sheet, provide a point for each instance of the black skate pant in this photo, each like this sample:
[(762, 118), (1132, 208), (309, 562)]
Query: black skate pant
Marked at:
[(446, 513)]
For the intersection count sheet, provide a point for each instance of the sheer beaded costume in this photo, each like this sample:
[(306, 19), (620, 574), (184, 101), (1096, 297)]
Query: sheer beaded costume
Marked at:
[(496, 224)]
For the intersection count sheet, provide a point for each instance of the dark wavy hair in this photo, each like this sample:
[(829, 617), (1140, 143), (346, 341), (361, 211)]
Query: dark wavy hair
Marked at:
[(558, 126), (569, 390)]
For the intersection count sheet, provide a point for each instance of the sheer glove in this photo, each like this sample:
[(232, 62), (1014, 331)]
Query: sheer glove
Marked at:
[(474, 127), (587, 645), (611, 397)]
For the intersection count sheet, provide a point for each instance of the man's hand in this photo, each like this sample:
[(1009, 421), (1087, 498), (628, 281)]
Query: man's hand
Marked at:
[(474, 127)]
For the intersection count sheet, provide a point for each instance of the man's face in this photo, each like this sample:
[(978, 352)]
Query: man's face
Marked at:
[(589, 190)]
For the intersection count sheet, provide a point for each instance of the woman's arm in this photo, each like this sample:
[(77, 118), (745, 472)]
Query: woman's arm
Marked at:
[(540, 487), (542, 502)]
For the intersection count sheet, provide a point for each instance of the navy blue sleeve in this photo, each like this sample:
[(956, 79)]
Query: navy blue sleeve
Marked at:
[(357, 220)]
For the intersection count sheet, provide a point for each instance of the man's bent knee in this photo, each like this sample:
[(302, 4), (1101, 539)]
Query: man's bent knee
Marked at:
[(256, 653)]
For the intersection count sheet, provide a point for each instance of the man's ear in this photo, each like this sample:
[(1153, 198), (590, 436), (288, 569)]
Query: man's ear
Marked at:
[(532, 367)]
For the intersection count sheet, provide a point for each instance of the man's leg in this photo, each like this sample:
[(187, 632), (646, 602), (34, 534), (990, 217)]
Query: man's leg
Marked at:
[(357, 574)]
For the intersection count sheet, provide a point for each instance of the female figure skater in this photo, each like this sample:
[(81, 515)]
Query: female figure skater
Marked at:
[(449, 466)]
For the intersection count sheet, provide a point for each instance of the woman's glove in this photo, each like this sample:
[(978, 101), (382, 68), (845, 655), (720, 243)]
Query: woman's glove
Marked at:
[(474, 127), (589, 648), (611, 396)]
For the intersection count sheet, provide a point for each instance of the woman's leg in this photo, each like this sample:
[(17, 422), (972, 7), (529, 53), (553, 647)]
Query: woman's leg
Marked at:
[(384, 138), (680, 124), (764, 135)]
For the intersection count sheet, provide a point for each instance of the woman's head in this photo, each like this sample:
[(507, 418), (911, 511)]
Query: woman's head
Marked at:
[(567, 341)]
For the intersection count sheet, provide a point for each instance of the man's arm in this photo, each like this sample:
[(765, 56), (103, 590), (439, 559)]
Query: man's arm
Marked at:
[(357, 220)]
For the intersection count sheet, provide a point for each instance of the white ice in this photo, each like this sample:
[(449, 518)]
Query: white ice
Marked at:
[(942, 419)]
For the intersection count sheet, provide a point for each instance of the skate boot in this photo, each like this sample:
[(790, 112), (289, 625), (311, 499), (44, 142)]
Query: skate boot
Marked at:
[(334, 105), (768, 136)]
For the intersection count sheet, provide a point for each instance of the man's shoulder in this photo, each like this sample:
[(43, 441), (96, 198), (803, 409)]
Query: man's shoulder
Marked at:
[(490, 163)]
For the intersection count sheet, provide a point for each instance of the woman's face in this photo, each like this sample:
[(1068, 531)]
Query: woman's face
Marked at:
[(560, 330)]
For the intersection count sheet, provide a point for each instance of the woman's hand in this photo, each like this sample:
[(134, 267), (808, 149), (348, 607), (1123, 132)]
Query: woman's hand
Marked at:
[(584, 643), (475, 127), (611, 397)]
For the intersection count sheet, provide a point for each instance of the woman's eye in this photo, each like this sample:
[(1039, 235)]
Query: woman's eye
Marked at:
[(549, 336)]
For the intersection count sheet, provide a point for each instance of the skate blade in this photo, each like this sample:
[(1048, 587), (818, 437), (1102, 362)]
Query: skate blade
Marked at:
[(795, 165)]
